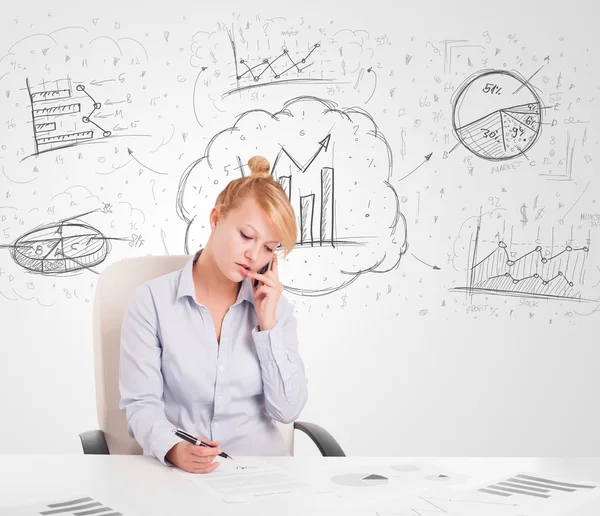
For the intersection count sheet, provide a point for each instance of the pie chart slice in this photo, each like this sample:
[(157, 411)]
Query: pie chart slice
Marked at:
[(360, 480)]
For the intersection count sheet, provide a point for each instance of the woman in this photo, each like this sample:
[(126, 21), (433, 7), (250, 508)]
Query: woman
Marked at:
[(212, 349)]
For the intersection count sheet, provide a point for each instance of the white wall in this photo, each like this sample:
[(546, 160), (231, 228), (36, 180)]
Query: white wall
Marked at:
[(398, 362)]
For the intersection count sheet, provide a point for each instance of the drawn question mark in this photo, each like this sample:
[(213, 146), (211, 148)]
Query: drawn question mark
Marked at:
[(355, 127)]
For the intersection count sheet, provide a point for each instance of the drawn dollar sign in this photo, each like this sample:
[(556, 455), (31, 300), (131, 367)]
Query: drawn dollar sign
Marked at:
[(524, 218)]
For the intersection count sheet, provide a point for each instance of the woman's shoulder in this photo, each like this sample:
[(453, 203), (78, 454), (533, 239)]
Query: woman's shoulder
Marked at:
[(163, 286)]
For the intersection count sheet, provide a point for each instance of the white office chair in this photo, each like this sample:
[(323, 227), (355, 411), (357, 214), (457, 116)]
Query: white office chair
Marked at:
[(115, 286)]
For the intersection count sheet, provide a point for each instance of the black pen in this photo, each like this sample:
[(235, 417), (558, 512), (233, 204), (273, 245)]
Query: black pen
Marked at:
[(191, 439)]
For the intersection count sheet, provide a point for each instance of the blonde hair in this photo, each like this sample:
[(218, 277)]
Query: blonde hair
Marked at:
[(270, 196)]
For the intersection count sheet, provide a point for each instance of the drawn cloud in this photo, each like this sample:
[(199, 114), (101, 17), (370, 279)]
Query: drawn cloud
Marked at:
[(335, 165)]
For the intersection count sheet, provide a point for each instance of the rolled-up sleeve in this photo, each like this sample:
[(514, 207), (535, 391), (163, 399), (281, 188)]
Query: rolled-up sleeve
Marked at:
[(285, 385), (140, 377)]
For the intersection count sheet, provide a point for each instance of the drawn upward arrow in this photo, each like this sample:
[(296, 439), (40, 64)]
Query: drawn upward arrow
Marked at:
[(434, 267), (427, 158), (145, 166), (323, 145)]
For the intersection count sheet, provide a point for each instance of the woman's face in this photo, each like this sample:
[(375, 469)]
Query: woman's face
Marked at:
[(243, 239)]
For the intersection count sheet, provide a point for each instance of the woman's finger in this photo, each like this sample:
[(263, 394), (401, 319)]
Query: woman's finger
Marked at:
[(212, 467), (203, 451), (265, 278)]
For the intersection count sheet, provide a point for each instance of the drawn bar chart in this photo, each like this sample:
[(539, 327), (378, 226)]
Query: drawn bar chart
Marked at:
[(536, 487)]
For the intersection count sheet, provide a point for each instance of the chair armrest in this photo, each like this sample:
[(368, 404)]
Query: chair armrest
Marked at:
[(326, 443), (94, 443)]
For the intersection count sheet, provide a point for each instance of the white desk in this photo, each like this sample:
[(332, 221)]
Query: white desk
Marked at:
[(150, 487)]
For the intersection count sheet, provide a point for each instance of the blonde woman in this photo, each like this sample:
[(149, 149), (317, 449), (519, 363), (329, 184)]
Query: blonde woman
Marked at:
[(212, 349)]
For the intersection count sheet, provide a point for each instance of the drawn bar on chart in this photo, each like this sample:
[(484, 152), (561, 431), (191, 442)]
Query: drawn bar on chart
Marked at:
[(307, 210), (67, 109), (77, 137), (286, 184), (45, 127), (532, 486), (327, 211), (79, 507), (42, 96)]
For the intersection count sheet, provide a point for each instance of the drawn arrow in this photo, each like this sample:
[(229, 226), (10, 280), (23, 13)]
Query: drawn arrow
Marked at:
[(111, 103), (427, 158), (100, 83), (434, 267), (194, 95), (323, 145), (145, 166), (370, 70)]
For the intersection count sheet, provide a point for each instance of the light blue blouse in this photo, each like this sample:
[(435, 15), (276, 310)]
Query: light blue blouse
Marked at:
[(173, 373)]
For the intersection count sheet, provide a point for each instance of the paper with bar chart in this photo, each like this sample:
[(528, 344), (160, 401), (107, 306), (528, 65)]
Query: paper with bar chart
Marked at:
[(73, 506)]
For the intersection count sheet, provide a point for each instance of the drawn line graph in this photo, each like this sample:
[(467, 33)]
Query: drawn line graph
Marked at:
[(266, 65), (540, 272)]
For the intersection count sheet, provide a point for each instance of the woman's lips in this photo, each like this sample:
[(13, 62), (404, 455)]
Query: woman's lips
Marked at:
[(242, 269)]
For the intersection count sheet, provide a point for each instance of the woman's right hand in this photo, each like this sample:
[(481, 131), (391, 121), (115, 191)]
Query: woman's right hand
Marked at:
[(192, 458)]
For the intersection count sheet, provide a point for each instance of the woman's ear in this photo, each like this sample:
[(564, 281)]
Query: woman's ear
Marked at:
[(215, 215)]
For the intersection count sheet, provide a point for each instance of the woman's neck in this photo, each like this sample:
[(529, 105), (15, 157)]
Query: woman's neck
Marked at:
[(210, 282)]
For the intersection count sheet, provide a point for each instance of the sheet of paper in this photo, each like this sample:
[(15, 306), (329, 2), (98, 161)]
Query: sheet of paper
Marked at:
[(538, 494), (246, 480), (443, 501), (382, 480), (76, 505)]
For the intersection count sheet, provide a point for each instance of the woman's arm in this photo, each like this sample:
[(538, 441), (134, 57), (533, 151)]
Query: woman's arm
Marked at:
[(284, 379), (140, 377)]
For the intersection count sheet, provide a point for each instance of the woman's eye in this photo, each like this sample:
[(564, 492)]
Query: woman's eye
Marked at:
[(244, 235), (269, 249)]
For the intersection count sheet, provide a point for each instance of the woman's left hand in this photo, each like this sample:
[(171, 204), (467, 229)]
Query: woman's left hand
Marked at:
[(266, 295)]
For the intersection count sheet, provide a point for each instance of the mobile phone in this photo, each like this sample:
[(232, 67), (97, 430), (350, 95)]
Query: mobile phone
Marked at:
[(262, 270)]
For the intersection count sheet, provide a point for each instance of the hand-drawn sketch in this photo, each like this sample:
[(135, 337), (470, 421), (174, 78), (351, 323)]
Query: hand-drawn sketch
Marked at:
[(64, 247), (55, 113), (552, 271), (497, 115), (348, 224), (247, 55)]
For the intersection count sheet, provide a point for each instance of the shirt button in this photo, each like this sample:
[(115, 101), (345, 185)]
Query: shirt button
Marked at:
[(215, 425), (221, 368)]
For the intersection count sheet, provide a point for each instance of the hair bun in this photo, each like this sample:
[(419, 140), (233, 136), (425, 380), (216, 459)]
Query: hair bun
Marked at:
[(259, 166)]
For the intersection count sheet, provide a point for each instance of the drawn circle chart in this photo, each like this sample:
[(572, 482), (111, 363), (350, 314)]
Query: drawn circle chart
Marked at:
[(408, 468), (497, 115), (60, 249), (359, 480)]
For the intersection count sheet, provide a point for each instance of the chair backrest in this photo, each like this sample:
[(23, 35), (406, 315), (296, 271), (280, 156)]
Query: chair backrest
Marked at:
[(114, 288)]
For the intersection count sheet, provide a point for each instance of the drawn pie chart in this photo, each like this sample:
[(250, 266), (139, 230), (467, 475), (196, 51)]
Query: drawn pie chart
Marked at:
[(359, 480), (60, 248), (497, 115)]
